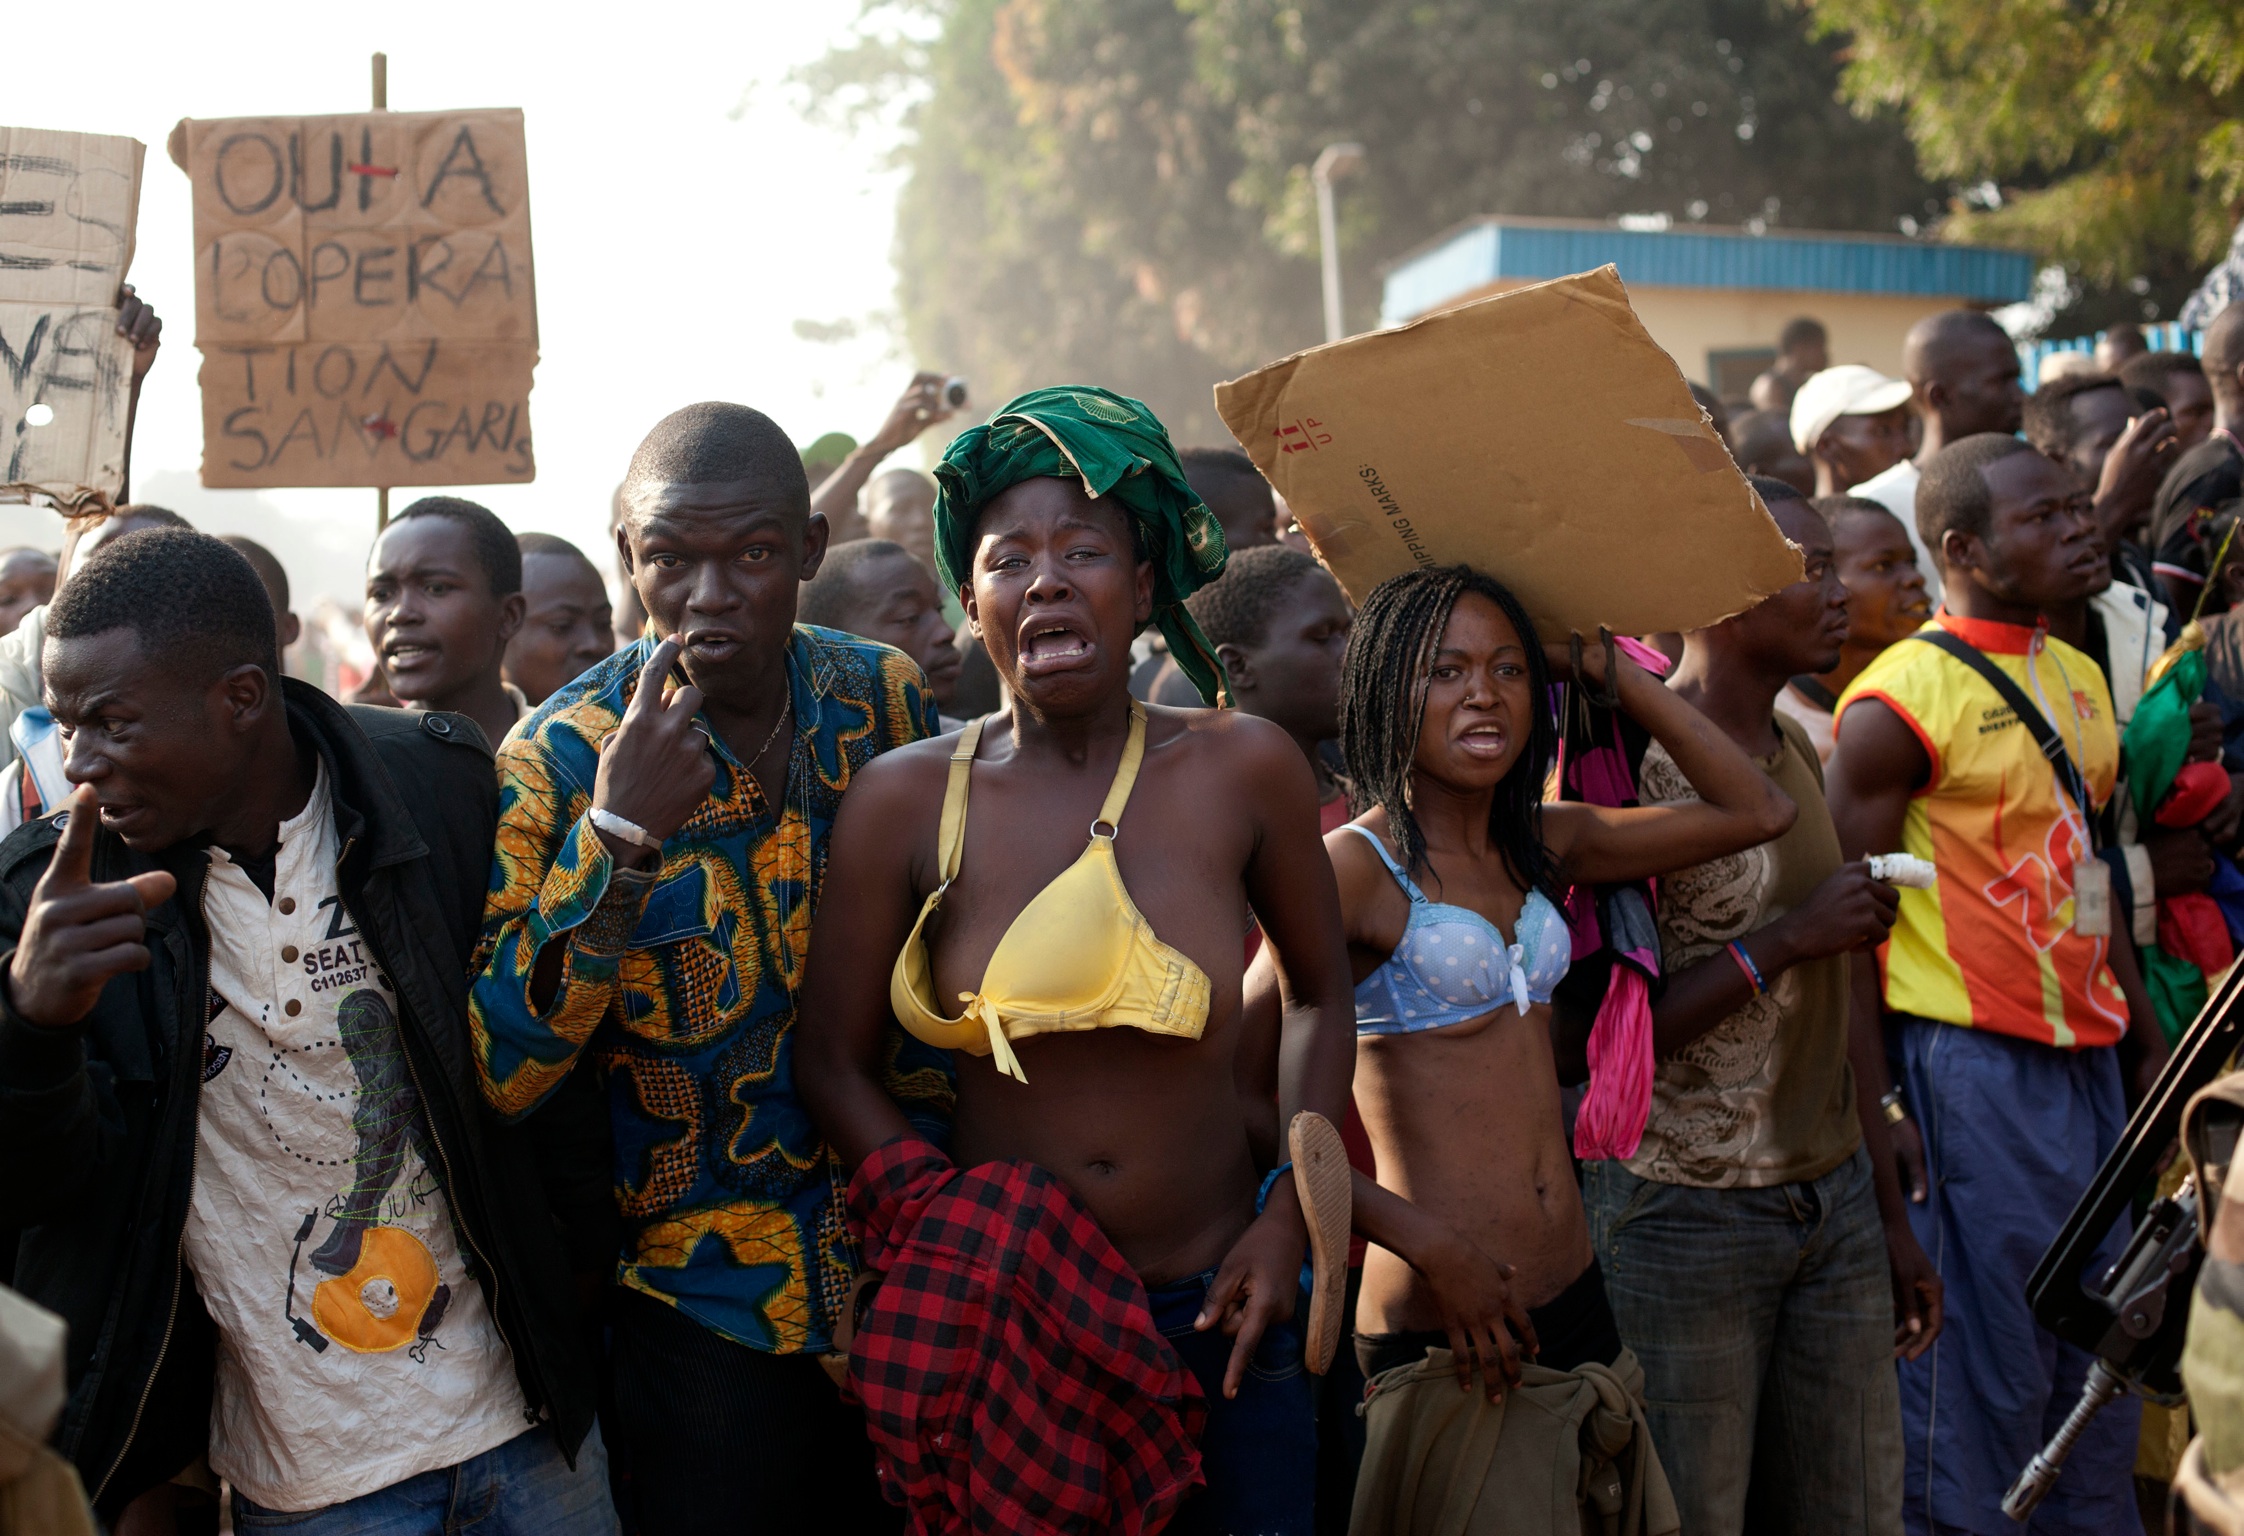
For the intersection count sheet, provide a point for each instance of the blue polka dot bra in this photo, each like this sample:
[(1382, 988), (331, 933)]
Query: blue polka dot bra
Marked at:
[(1454, 965)]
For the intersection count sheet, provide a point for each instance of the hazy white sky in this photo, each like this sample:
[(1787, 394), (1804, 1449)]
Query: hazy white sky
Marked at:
[(684, 216)]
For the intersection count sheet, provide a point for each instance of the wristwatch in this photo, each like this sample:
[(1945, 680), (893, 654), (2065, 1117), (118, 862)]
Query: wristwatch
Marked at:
[(630, 831), (1890, 1103)]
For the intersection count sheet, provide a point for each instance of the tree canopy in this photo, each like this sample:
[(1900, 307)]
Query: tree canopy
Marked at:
[(2109, 134), (1117, 191)]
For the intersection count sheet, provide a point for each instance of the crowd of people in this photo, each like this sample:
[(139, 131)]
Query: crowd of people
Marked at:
[(1002, 1001)]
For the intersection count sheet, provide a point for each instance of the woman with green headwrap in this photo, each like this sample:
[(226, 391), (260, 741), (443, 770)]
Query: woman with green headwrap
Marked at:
[(1089, 984)]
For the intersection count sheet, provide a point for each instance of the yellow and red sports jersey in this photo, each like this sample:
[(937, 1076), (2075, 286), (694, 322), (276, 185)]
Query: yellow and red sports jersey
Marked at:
[(1991, 945)]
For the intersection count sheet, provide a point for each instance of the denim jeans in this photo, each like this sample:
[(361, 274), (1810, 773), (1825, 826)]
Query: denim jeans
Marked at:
[(522, 1488), (1764, 1321), (1259, 1449)]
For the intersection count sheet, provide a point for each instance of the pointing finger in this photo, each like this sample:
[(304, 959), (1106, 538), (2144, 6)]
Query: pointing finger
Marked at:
[(72, 864), (1259, 1311), (649, 694)]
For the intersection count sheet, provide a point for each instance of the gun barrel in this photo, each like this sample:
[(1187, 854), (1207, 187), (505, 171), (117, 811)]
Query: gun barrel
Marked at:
[(2103, 1384)]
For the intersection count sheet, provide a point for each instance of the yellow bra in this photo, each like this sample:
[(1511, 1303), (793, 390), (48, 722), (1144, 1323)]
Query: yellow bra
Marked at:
[(1080, 956)]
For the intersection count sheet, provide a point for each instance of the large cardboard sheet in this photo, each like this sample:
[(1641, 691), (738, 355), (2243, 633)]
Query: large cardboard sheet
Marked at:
[(1540, 436), (68, 205), (364, 300)]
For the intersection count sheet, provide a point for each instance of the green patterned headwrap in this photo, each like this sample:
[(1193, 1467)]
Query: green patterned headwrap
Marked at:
[(1117, 449)]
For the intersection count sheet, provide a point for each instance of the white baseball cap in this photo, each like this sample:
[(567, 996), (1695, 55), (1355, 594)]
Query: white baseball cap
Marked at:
[(1847, 390)]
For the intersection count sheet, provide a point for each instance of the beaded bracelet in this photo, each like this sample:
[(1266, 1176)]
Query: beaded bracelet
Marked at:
[(1745, 964)]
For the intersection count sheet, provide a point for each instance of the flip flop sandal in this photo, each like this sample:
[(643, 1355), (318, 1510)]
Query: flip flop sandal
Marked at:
[(1321, 1177)]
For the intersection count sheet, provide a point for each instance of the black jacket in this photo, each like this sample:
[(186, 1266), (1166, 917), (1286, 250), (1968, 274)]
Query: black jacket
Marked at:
[(98, 1123)]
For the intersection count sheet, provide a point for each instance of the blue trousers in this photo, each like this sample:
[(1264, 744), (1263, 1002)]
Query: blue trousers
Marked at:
[(1764, 1322), (1259, 1449), (521, 1488), (2013, 1133)]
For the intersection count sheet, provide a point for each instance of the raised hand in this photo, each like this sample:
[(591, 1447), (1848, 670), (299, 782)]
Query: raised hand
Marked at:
[(138, 323), (656, 769), (918, 408), (2132, 472), (78, 934)]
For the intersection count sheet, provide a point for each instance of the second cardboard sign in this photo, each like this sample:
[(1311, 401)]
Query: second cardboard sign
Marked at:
[(1541, 437)]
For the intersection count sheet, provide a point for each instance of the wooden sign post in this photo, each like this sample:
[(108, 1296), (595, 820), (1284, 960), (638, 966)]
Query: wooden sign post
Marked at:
[(381, 104)]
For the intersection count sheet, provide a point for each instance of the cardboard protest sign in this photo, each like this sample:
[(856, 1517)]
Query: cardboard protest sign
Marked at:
[(68, 204), (364, 301), (1540, 436)]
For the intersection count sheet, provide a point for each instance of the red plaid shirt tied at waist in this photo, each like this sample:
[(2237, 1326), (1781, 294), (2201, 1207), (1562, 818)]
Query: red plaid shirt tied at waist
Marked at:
[(1007, 1363)]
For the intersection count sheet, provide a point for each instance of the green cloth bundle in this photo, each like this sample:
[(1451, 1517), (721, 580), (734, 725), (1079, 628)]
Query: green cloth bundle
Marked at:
[(2153, 750), (2157, 740), (1118, 449)]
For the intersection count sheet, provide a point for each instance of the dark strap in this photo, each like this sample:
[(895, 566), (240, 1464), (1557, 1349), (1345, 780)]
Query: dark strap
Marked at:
[(1808, 687), (2052, 745)]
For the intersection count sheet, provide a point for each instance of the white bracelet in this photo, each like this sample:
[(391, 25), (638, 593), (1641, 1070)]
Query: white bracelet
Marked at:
[(630, 831)]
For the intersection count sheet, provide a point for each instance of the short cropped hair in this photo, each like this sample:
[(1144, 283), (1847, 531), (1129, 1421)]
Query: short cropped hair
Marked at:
[(2224, 350), (548, 544), (2152, 370), (267, 566), (829, 598), (716, 441), (1212, 462), (1756, 437), (1798, 333), (1954, 492), (149, 512), (905, 475), (193, 601), (493, 545), (1774, 490), (1238, 607), (2050, 424), (1231, 487), (1835, 508)]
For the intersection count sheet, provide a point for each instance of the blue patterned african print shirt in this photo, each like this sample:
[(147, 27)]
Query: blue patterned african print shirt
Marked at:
[(683, 991)]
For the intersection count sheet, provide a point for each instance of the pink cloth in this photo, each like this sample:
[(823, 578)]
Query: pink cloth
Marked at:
[(1619, 1100), (1650, 657)]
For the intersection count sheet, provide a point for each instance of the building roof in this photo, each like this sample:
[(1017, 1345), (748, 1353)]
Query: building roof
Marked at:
[(1494, 249)]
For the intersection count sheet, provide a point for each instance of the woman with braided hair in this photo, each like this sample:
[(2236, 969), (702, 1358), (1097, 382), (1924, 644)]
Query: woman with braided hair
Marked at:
[(1452, 881)]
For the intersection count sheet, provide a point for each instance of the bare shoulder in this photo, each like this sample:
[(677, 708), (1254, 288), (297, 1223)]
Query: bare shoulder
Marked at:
[(1372, 907), (1349, 844), (1355, 860), (898, 781), (1229, 741)]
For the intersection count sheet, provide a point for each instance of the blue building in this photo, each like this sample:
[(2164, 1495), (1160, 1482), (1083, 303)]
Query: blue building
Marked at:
[(1716, 298)]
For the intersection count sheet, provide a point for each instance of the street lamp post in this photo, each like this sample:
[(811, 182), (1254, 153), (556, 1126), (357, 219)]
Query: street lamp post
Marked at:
[(1336, 161)]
